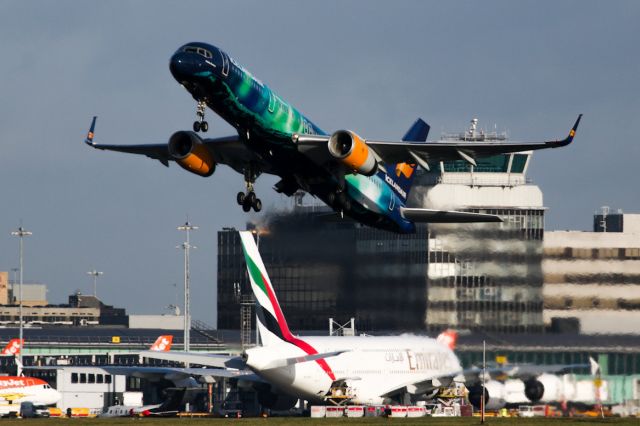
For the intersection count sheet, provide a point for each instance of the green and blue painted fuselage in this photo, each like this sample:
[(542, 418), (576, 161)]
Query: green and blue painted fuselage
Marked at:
[(266, 124)]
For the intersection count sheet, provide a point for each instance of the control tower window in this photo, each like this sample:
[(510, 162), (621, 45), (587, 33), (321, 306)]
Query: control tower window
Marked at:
[(199, 50), (519, 161)]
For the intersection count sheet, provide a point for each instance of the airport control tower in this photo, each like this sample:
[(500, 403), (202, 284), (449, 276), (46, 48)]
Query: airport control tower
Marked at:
[(484, 277)]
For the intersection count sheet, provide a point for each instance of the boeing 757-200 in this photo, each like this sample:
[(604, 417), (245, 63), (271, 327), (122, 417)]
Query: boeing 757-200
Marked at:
[(365, 179)]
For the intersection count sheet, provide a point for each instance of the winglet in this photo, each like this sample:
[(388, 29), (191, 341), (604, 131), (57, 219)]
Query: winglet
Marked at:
[(572, 133), (89, 139)]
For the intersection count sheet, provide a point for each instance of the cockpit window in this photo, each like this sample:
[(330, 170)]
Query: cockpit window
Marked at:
[(199, 50)]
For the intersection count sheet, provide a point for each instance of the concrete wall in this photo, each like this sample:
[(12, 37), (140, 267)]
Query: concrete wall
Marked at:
[(167, 322)]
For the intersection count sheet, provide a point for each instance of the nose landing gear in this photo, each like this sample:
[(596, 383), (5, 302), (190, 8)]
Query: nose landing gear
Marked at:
[(200, 124)]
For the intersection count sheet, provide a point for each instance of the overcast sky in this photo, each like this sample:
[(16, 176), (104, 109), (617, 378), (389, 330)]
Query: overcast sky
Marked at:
[(373, 67)]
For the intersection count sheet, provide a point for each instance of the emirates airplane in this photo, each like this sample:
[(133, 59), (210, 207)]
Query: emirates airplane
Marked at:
[(360, 369)]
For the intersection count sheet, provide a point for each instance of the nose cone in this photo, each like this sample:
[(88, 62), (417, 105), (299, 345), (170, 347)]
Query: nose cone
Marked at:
[(184, 65)]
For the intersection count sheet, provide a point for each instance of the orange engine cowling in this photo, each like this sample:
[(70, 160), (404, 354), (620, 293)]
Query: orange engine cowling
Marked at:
[(353, 152), (187, 149)]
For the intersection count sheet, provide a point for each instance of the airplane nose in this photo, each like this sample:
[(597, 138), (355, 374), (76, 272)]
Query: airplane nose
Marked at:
[(183, 65)]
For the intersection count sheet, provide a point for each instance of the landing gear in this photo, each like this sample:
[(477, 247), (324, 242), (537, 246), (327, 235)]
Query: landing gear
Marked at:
[(200, 124), (249, 200)]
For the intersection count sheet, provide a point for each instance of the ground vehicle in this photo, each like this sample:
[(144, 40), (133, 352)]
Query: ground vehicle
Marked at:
[(29, 409)]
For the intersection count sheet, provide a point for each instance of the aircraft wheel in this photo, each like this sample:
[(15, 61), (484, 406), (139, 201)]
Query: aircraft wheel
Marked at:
[(331, 198), (251, 198), (346, 204), (204, 126), (240, 198), (257, 205), (196, 126), (246, 205), (342, 199)]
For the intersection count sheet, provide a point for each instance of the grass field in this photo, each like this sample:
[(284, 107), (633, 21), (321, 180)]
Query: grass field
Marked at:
[(290, 421)]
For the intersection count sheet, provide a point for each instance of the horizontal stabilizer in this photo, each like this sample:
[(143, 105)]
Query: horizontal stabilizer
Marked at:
[(446, 216)]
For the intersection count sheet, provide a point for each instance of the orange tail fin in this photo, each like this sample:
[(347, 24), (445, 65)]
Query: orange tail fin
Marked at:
[(13, 347), (162, 344)]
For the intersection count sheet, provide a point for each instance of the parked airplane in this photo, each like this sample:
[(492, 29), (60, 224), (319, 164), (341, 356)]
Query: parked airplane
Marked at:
[(168, 408), (362, 369), (17, 389), (367, 180)]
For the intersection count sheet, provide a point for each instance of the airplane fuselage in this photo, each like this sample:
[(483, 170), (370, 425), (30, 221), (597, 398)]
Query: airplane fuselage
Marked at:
[(266, 124), (370, 367), (17, 389)]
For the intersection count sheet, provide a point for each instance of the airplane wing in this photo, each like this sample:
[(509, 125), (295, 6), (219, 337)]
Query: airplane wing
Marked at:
[(227, 150), (285, 362), (521, 371), (425, 153), (209, 360)]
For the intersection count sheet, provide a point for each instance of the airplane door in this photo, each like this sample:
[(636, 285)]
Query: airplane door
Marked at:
[(411, 358), (225, 64)]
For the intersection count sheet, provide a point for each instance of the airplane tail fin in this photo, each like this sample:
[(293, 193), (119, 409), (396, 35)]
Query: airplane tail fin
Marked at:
[(400, 176), (271, 322), (448, 338), (162, 343), (13, 347)]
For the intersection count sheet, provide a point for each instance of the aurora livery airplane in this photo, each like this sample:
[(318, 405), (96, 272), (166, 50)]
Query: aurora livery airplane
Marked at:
[(365, 179)]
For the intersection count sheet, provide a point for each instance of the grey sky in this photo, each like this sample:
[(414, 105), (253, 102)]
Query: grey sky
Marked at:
[(372, 67)]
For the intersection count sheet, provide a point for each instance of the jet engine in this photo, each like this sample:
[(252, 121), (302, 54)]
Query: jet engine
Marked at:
[(353, 152), (187, 149), (545, 388), (493, 395)]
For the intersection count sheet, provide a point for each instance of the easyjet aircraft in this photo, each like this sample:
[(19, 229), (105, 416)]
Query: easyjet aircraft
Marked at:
[(17, 389), (365, 179)]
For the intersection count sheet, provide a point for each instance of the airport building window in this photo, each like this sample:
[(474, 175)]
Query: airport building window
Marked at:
[(92, 378), (74, 377), (107, 378), (83, 378)]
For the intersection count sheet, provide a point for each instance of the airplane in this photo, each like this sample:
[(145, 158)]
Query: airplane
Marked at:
[(367, 180), (168, 408), (359, 369), (15, 390), (364, 369)]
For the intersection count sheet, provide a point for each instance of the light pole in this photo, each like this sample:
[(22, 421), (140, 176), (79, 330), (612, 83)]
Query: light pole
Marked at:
[(21, 233), (95, 274), (186, 246)]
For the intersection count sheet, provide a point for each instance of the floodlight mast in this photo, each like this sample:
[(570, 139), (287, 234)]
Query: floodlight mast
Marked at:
[(21, 233), (95, 274), (186, 246)]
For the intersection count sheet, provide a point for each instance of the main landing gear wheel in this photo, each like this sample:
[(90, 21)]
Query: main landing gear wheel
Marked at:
[(200, 124), (248, 201)]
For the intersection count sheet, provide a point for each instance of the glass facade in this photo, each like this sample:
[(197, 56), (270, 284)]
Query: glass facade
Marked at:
[(472, 276)]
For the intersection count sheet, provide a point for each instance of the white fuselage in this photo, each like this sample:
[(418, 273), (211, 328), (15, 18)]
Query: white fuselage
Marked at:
[(370, 366)]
